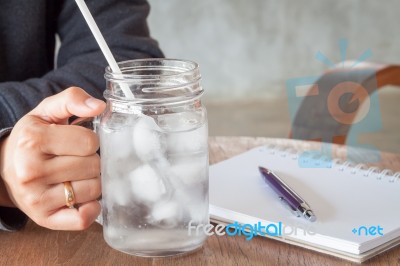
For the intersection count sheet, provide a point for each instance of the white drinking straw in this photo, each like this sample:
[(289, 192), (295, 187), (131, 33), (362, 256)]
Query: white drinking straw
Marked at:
[(103, 45)]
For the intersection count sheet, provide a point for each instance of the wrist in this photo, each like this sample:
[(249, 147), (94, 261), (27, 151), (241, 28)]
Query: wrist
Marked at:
[(5, 200)]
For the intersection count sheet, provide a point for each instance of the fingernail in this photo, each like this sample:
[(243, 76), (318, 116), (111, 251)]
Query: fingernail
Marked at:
[(92, 103)]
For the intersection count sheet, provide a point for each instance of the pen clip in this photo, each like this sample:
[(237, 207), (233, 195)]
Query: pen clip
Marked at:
[(290, 208)]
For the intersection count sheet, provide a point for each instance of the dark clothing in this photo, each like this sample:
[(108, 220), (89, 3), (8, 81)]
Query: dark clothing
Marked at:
[(27, 42), (28, 28)]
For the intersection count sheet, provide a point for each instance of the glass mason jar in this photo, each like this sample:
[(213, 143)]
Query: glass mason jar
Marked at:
[(154, 158)]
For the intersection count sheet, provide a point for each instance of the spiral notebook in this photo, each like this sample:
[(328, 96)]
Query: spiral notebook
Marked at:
[(357, 208)]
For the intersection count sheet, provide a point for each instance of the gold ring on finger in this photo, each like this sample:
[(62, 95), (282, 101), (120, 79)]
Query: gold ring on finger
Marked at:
[(69, 195)]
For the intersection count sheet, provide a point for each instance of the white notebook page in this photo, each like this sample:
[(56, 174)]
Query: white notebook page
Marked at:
[(341, 200)]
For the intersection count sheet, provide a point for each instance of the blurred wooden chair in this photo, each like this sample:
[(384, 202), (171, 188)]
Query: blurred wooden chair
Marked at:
[(330, 107)]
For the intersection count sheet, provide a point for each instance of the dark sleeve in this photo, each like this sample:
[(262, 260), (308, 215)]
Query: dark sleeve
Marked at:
[(80, 61), (11, 218)]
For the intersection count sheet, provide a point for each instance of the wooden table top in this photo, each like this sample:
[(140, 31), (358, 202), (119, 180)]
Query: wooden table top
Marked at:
[(39, 246)]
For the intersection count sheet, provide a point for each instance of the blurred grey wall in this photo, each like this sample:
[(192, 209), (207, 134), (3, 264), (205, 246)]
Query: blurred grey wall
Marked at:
[(250, 48)]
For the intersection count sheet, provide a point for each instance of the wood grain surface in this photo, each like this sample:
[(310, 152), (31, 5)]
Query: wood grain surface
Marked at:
[(38, 246)]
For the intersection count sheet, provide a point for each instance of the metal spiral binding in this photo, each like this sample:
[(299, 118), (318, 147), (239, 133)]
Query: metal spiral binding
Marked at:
[(345, 166), (342, 166), (354, 170), (396, 177)]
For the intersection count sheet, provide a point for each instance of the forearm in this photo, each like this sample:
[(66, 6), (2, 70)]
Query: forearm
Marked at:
[(80, 61), (19, 98)]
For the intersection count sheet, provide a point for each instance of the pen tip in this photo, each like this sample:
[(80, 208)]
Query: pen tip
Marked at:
[(310, 216)]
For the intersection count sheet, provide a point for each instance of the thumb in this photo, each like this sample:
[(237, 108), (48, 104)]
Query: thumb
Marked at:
[(70, 102)]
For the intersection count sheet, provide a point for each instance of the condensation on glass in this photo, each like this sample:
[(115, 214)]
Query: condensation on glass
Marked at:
[(154, 158)]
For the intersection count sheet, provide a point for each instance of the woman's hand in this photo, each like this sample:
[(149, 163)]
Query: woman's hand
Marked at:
[(43, 151)]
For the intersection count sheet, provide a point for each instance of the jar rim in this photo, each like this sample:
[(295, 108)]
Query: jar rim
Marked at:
[(191, 67), (155, 80)]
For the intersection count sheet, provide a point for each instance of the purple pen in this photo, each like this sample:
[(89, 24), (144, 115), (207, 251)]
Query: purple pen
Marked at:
[(287, 195)]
